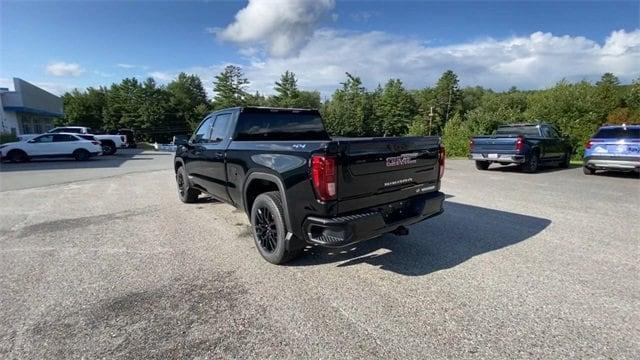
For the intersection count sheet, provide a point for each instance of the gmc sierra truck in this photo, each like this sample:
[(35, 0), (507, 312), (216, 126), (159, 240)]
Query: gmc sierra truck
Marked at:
[(300, 187), (528, 145)]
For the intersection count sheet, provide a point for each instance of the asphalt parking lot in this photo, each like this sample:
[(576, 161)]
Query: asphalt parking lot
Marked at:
[(519, 266)]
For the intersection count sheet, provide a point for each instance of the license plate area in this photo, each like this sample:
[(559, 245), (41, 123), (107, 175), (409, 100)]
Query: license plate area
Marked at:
[(492, 156), (401, 210)]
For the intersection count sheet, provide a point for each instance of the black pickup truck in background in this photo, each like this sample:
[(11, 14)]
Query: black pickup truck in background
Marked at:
[(300, 187), (528, 145)]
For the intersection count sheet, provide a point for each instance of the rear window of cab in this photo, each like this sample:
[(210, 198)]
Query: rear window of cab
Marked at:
[(618, 133)]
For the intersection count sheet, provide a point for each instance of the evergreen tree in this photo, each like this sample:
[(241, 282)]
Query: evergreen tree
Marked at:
[(349, 109), (287, 92), (396, 109), (230, 88), (607, 94), (188, 101), (447, 99)]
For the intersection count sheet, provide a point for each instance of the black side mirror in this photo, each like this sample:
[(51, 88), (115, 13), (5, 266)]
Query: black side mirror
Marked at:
[(180, 141)]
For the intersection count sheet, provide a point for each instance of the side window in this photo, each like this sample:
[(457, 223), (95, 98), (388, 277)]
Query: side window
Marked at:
[(554, 133), (202, 134), (219, 131), (43, 139), (64, 138), (546, 132)]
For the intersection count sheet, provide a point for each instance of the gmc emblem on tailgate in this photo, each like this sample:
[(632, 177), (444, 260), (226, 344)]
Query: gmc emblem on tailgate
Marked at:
[(404, 159)]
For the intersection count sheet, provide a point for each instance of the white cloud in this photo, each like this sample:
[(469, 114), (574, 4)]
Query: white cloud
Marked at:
[(64, 69), (530, 62), (284, 26), (131, 66), (162, 76)]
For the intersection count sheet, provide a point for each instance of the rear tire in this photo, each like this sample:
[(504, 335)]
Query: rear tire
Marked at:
[(588, 171), (566, 161), (532, 163), (269, 229), (108, 147), (17, 156), (186, 192), (482, 165), (81, 155)]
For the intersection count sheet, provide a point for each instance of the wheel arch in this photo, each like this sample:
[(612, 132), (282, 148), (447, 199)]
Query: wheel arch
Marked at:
[(260, 182)]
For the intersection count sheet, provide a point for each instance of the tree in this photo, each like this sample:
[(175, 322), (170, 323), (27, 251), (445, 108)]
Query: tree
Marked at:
[(122, 104), (633, 97), (607, 94), (230, 88), (187, 101), (448, 98), (287, 92), (455, 137), (350, 109), (395, 110), (84, 108)]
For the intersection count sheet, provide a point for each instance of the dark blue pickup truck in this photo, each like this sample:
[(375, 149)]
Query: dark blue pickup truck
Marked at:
[(528, 145)]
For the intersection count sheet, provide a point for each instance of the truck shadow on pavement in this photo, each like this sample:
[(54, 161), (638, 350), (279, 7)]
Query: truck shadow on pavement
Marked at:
[(459, 234), (106, 161), (541, 170)]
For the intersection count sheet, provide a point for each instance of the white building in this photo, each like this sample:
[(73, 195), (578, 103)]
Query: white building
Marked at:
[(28, 110)]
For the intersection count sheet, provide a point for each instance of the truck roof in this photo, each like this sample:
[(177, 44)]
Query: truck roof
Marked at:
[(267, 108), (520, 125)]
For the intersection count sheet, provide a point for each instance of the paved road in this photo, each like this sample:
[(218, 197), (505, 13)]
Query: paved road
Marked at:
[(519, 266), (38, 173)]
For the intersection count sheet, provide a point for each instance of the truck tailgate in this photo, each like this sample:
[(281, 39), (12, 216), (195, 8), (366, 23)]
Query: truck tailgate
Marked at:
[(493, 144), (376, 171)]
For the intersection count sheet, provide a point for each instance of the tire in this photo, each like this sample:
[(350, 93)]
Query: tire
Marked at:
[(108, 147), (566, 161), (17, 156), (482, 165), (269, 228), (588, 171), (532, 163), (81, 155), (186, 192)]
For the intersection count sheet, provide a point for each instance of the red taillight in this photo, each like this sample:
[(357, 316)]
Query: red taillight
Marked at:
[(441, 157), (323, 175), (519, 143), (588, 144)]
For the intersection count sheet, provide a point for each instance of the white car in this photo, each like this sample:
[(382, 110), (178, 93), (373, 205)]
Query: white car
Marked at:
[(110, 143), (51, 146)]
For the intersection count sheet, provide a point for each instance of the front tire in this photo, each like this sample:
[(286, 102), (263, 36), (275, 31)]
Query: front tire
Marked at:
[(186, 192), (81, 155), (588, 171), (482, 165), (269, 228), (17, 156)]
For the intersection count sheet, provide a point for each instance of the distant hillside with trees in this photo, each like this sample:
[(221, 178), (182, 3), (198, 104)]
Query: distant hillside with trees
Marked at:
[(157, 112)]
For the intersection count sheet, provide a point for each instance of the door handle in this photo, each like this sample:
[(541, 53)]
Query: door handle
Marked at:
[(218, 155)]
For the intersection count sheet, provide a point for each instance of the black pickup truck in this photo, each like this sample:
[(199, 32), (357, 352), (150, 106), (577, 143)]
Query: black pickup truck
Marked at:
[(528, 145), (300, 187)]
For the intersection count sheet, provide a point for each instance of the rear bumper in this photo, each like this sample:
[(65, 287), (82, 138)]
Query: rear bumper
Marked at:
[(372, 222), (612, 163), (503, 158)]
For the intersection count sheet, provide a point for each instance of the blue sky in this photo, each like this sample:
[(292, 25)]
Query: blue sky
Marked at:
[(61, 45)]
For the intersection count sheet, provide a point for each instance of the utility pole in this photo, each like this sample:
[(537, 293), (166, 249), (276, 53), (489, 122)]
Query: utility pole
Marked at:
[(446, 116)]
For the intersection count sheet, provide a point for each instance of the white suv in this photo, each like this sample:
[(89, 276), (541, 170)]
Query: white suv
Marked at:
[(51, 146)]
